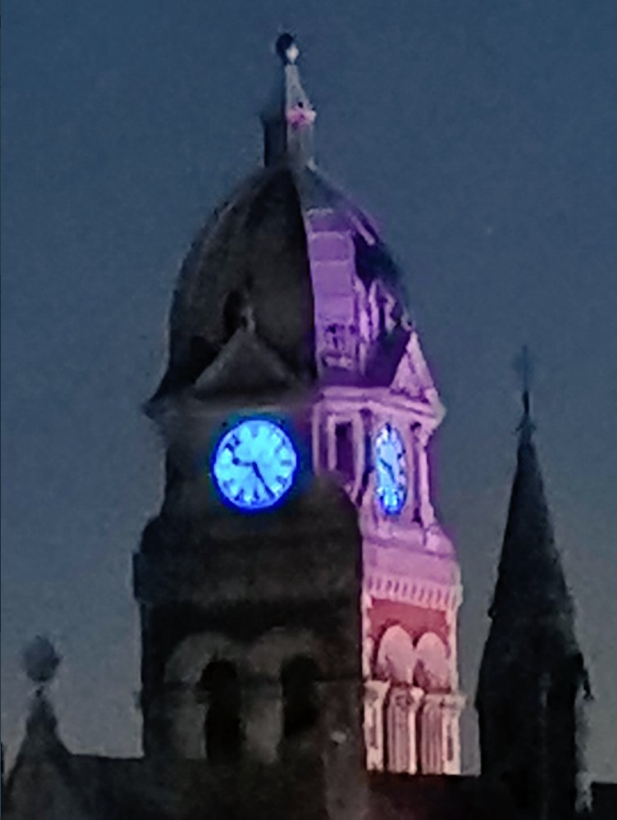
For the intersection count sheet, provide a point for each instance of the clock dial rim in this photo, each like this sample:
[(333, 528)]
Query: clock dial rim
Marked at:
[(275, 481)]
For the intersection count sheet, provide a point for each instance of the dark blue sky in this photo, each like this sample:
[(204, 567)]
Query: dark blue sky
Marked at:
[(481, 135)]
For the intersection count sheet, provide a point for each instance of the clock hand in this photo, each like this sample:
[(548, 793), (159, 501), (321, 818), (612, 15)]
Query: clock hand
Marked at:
[(257, 472), (237, 463), (389, 468)]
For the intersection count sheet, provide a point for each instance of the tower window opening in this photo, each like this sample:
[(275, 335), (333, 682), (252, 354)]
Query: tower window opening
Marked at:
[(234, 312), (223, 728), (344, 458), (299, 680)]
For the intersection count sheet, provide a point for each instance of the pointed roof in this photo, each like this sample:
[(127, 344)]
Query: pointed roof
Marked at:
[(531, 589), (246, 365), (323, 285), (40, 783)]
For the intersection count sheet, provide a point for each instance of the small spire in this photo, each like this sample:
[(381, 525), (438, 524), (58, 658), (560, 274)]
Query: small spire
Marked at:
[(288, 123), (40, 663), (524, 367)]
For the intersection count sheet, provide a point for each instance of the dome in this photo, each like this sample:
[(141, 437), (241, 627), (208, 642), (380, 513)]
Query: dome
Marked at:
[(299, 257)]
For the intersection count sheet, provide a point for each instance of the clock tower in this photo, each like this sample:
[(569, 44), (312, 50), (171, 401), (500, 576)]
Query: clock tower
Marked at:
[(298, 596)]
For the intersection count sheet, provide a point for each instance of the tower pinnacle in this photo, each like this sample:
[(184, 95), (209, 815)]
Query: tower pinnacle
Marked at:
[(524, 367), (287, 49), (532, 671), (288, 121)]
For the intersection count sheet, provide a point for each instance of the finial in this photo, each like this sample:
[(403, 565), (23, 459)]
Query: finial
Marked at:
[(287, 49), (524, 367), (288, 120), (41, 661)]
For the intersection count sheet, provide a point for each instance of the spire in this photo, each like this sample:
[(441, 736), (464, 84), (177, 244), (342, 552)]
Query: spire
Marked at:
[(288, 121), (532, 679), (523, 364), (530, 582), (41, 662)]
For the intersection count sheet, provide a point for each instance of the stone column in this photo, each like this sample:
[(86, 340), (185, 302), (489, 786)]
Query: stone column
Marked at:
[(440, 751), (452, 706), (431, 735), (375, 692), (401, 753), (263, 710), (427, 513), (185, 717)]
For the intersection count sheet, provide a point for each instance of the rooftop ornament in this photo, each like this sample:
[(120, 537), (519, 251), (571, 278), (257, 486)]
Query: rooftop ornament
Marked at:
[(40, 662), (523, 365), (287, 49)]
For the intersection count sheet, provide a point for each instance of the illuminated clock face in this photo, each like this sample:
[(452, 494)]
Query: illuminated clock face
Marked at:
[(391, 470), (254, 464)]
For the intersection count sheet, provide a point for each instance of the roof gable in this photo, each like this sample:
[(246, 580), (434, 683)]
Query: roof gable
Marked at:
[(246, 365)]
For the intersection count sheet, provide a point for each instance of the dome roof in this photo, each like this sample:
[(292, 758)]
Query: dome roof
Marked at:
[(294, 253)]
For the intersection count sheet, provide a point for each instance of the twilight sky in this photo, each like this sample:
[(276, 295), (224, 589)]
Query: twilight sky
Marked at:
[(481, 135)]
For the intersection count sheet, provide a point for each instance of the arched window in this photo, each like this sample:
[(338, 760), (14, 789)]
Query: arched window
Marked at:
[(299, 678), (223, 729), (432, 671), (396, 656)]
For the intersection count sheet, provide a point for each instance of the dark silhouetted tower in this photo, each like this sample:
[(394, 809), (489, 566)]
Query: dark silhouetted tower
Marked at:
[(532, 676)]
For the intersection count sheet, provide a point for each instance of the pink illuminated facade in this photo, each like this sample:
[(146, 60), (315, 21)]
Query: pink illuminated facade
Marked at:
[(412, 587), (372, 374)]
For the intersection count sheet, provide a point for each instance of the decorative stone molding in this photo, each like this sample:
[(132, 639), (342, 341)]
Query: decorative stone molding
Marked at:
[(382, 399), (417, 592)]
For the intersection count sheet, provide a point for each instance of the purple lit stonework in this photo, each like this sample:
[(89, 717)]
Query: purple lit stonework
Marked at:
[(412, 588), (372, 376), (299, 117)]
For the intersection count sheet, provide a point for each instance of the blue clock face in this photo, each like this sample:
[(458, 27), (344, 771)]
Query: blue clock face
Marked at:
[(391, 470), (254, 464)]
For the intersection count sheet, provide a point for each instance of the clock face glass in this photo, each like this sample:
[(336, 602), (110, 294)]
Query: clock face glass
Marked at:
[(254, 464), (391, 470)]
